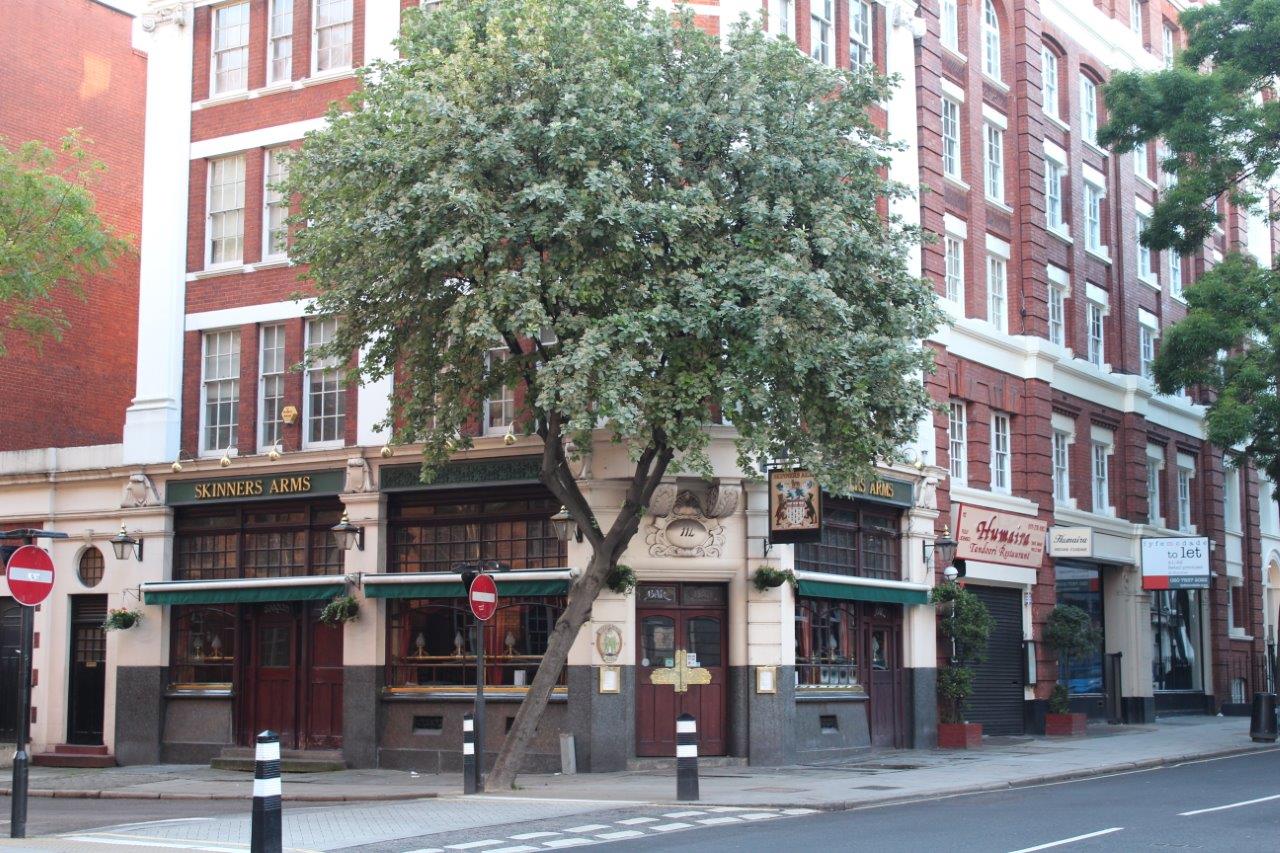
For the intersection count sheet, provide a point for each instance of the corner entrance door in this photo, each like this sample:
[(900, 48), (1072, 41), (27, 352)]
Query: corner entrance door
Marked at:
[(293, 681), (10, 646), (885, 676), (88, 676), (672, 618)]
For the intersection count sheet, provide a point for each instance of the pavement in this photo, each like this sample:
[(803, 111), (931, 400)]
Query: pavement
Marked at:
[(878, 778)]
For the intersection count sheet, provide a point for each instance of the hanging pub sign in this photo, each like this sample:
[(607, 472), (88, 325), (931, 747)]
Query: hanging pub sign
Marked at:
[(795, 506), (1006, 538), (1175, 562)]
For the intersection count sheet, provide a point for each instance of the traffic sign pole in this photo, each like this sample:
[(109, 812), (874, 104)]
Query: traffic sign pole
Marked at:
[(482, 595), (21, 759)]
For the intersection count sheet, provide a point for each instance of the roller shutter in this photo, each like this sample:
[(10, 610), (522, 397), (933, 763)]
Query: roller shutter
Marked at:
[(997, 695)]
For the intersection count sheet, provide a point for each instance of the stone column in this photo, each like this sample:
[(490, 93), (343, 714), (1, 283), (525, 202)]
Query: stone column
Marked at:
[(364, 640)]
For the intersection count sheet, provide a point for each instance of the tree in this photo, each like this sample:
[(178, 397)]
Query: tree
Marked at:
[(592, 201), (51, 237), (1219, 117)]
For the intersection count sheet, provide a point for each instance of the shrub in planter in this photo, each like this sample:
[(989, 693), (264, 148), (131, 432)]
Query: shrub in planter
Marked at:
[(767, 577), (121, 619), (622, 579), (342, 609), (1070, 632), (965, 628)]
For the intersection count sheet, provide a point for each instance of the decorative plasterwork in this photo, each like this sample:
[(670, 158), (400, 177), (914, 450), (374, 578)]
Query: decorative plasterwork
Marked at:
[(685, 531), (174, 14), (139, 491)]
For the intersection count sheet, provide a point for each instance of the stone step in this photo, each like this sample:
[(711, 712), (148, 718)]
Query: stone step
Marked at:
[(59, 758), (704, 762), (80, 749), (291, 760)]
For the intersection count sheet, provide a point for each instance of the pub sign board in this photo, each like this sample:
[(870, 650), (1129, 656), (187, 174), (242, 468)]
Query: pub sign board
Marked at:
[(1006, 538), (795, 506), (290, 484), (1175, 562)]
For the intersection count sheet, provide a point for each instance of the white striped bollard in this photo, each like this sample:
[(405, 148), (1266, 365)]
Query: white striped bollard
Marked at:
[(469, 770), (686, 758), (265, 833)]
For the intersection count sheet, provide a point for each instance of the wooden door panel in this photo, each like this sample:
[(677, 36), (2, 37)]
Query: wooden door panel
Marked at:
[(702, 633), (324, 687), (655, 703), (273, 676)]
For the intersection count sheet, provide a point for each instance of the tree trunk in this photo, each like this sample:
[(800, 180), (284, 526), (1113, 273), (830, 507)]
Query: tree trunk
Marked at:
[(581, 599)]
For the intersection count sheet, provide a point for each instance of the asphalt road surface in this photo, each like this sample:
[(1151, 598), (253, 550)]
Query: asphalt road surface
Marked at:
[(1230, 804)]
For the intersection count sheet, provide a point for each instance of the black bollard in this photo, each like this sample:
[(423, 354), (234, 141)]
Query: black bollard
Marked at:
[(686, 758), (1262, 728), (265, 833), (469, 770)]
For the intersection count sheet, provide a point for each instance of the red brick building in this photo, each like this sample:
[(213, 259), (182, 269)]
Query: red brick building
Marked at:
[(94, 81)]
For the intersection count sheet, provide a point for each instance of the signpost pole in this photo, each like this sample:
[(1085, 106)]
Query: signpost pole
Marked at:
[(479, 709), (21, 759)]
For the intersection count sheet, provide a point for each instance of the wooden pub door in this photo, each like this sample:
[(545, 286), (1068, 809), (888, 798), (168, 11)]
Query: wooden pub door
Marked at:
[(88, 676), (293, 680), (884, 675), (693, 618)]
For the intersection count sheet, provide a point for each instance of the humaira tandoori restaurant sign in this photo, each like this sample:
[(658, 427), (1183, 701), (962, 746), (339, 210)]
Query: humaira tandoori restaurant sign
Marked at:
[(1006, 538)]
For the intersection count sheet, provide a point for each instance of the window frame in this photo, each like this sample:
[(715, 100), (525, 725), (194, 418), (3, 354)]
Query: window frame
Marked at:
[(231, 380), (315, 39), (1100, 477), (949, 25), (862, 15), (1185, 476), (508, 394), (1175, 273), (1061, 456), (951, 142), (1094, 196), (992, 49), (1001, 459), (1096, 333), (214, 14), (274, 37), (953, 267), (329, 365), (1051, 92), (1146, 267), (993, 162), (274, 171), (1055, 204), (998, 314), (1057, 306), (822, 29), (1088, 110), (264, 375), (213, 167), (958, 422)]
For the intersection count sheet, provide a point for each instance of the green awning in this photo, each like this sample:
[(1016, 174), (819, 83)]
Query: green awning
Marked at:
[(853, 592), (243, 594), (515, 586)]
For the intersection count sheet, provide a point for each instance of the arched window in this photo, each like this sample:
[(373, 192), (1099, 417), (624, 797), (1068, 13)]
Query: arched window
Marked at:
[(91, 567), (990, 40)]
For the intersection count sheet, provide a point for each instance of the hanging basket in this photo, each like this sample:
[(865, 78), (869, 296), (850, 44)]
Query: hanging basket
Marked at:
[(121, 619), (342, 609)]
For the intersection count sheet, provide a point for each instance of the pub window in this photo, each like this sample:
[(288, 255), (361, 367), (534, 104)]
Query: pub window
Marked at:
[(268, 542), (515, 531), (430, 642), (826, 644), (856, 540), (203, 647)]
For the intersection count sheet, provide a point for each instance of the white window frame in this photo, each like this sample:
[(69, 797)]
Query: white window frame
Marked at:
[(1232, 522), (1141, 162), (1059, 290), (1146, 271), (226, 344), (270, 369), (1186, 473), (1061, 467), (1055, 203), (1094, 196), (782, 19), (991, 53), (1100, 449), (993, 162), (1096, 330), (1049, 88), (822, 28), (242, 48), (952, 161), (953, 262), (1148, 334), (215, 194), (1088, 110), (326, 366), (998, 292), (1167, 46), (949, 25), (1175, 273), (1135, 17), (505, 423), (274, 171), (862, 34), (1001, 453), (277, 12), (1155, 485), (315, 38), (958, 442)]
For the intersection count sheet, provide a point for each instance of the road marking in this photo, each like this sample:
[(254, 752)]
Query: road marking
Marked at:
[(526, 836), (568, 842), (632, 821), (425, 850), (1070, 840), (799, 811), (618, 836), (167, 845), (1230, 806), (488, 842), (587, 827), (716, 821), (521, 848), (670, 827), (757, 816), (682, 814)]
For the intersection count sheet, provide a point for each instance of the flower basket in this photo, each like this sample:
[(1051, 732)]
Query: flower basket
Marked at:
[(766, 578), (622, 579), (121, 619), (342, 609)]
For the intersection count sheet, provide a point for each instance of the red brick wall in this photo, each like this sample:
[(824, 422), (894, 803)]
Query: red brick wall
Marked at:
[(81, 385)]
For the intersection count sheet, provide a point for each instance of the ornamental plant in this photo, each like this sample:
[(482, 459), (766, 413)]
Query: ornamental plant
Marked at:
[(1071, 633), (767, 577), (966, 626), (594, 201), (343, 608), (121, 619)]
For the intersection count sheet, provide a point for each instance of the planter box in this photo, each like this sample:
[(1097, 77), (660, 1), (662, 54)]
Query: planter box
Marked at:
[(1064, 725), (959, 735)]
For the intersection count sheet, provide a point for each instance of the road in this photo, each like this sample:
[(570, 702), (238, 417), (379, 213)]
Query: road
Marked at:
[(1225, 804)]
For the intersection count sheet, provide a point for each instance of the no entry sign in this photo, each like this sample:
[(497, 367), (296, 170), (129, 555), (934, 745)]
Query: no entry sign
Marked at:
[(483, 596), (30, 575)]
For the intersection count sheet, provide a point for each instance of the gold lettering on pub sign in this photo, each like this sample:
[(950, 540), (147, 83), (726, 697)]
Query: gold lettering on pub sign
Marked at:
[(253, 488), (876, 488)]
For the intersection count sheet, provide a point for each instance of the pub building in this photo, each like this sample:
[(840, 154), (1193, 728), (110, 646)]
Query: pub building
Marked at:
[(234, 643)]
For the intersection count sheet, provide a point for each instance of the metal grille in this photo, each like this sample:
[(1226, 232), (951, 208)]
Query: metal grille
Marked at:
[(997, 681), (91, 567)]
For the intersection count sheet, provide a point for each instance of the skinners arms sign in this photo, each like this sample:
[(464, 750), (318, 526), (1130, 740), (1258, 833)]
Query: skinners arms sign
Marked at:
[(292, 484), (1000, 537)]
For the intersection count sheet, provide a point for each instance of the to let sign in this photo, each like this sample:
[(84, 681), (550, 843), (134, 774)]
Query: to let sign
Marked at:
[(30, 575), (483, 597), (1006, 538), (1175, 562)]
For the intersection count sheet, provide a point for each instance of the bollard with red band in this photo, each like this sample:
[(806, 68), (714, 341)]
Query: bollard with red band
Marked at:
[(686, 758), (265, 832)]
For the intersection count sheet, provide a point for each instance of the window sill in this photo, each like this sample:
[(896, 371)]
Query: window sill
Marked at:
[(1147, 182), (229, 452), (222, 98), (1058, 121), (1233, 635), (271, 263), (1067, 504), (1062, 234), (1093, 146), (999, 205), (954, 53), (213, 690), (1151, 282), (1100, 254), (956, 181), (220, 270), (999, 84), (1179, 298), (324, 445), (318, 78)]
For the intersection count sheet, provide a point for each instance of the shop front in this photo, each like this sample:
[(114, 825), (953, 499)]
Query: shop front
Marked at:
[(247, 648)]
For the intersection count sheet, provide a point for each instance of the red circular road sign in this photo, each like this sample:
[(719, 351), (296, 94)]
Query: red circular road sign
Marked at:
[(30, 575), (483, 597)]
